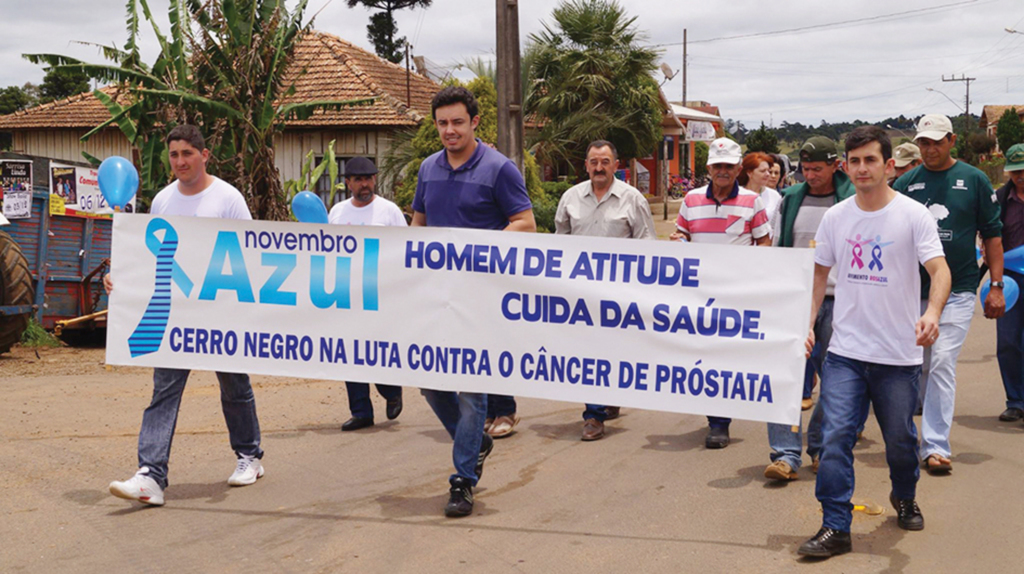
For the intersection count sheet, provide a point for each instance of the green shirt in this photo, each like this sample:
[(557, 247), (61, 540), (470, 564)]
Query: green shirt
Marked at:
[(963, 204)]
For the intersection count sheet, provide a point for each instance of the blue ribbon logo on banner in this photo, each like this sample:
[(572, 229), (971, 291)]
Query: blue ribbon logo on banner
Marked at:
[(149, 334)]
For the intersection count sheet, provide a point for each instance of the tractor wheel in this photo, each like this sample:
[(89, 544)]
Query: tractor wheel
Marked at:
[(15, 289)]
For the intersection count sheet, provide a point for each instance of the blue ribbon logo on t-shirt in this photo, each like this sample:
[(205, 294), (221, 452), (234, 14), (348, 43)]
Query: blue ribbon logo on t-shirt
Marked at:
[(149, 334), (876, 252)]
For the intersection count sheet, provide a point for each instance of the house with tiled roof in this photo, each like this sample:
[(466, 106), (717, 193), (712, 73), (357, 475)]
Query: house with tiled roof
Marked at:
[(324, 67), (990, 119)]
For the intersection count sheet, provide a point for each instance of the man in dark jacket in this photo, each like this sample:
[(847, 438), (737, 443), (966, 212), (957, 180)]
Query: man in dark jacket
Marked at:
[(803, 206), (1010, 327)]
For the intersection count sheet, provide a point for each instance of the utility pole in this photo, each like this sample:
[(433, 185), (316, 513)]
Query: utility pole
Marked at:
[(967, 100), (684, 67), (408, 80), (510, 92)]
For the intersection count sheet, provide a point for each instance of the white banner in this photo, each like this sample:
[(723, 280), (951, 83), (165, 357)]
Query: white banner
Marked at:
[(660, 325)]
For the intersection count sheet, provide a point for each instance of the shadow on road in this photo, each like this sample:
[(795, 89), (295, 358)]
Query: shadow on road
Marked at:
[(990, 424)]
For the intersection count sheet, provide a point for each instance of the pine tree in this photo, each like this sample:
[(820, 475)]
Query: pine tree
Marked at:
[(382, 29)]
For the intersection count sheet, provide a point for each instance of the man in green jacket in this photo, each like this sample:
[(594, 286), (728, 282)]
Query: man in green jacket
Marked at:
[(796, 223)]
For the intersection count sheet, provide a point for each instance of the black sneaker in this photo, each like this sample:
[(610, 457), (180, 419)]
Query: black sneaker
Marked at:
[(908, 515), (486, 446), (827, 542), (460, 499), (718, 437)]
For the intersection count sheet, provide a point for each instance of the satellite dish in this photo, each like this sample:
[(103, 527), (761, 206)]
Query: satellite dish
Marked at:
[(667, 70)]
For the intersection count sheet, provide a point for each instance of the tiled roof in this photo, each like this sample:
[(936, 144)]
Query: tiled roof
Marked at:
[(991, 114), (81, 111), (324, 67)]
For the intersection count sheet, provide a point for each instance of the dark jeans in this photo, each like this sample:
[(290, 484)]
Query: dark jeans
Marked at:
[(1010, 349), (359, 397), (500, 406), (596, 412), (845, 384), (161, 416), (462, 415)]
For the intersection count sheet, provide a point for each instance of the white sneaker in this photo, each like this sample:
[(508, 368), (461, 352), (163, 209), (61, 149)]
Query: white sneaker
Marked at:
[(248, 470), (139, 487)]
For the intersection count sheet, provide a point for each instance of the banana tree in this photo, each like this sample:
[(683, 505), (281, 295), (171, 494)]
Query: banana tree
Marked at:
[(222, 68)]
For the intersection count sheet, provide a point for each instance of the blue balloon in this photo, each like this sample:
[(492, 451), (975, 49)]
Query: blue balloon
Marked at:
[(1011, 291), (118, 180), (309, 208), (1014, 259)]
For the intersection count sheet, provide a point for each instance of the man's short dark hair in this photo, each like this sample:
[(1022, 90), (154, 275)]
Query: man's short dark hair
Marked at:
[(602, 143), (455, 95), (864, 135), (189, 134)]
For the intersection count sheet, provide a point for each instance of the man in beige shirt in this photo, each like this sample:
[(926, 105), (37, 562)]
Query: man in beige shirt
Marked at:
[(603, 207)]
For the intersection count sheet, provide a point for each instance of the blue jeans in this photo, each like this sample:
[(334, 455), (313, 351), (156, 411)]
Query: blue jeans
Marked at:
[(785, 442), (846, 384), (1010, 350), (500, 406), (462, 415), (160, 417), (595, 412), (809, 372), (938, 375), (359, 398)]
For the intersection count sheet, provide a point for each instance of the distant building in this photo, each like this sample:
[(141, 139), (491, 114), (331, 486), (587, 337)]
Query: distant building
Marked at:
[(324, 67), (990, 119)]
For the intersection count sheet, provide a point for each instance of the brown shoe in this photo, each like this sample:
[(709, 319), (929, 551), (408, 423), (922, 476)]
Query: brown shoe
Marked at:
[(503, 426), (593, 429), (611, 413), (779, 470), (806, 404), (488, 423), (814, 465)]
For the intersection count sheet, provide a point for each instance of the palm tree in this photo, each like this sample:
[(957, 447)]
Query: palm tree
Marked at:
[(222, 69), (590, 79)]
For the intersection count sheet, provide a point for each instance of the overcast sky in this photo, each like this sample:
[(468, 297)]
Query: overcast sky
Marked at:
[(878, 67)]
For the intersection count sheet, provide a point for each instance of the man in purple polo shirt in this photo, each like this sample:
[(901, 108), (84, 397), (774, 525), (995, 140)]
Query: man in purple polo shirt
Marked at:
[(467, 184)]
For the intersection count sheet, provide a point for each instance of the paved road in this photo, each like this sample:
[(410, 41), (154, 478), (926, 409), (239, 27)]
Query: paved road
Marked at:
[(647, 498)]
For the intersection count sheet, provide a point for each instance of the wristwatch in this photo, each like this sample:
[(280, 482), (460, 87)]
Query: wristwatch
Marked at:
[(997, 284)]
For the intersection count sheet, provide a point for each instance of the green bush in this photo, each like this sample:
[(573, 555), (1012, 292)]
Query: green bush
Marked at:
[(36, 336)]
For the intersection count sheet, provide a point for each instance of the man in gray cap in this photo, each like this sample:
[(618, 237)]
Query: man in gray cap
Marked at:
[(796, 223), (1010, 327), (960, 198), (365, 207), (905, 157)]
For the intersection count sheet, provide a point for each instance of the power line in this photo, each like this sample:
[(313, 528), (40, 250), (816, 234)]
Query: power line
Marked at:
[(843, 23)]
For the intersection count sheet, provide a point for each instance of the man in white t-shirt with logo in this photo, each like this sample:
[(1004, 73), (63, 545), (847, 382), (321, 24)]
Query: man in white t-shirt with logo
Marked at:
[(365, 207), (195, 193), (876, 239)]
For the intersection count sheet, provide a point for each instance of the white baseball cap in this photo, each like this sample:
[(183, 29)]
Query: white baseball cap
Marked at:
[(933, 127), (724, 150)]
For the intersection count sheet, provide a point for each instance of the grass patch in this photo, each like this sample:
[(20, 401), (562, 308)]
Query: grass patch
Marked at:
[(36, 336)]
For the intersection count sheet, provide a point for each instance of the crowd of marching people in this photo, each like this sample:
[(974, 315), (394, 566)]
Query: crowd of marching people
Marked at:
[(894, 233)]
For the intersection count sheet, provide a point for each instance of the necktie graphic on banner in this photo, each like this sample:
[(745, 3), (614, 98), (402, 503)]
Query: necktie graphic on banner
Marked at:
[(149, 333), (691, 328)]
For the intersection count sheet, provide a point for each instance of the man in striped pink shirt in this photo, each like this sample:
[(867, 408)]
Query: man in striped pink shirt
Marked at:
[(723, 213)]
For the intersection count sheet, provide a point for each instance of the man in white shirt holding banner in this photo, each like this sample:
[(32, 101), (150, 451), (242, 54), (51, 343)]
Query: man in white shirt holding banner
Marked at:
[(364, 207), (195, 193), (876, 239)]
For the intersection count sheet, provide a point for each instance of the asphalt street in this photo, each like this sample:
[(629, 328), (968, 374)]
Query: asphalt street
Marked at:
[(646, 498)]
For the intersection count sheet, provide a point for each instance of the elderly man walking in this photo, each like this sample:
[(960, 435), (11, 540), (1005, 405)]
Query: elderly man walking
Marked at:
[(723, 213), (603, 206)]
